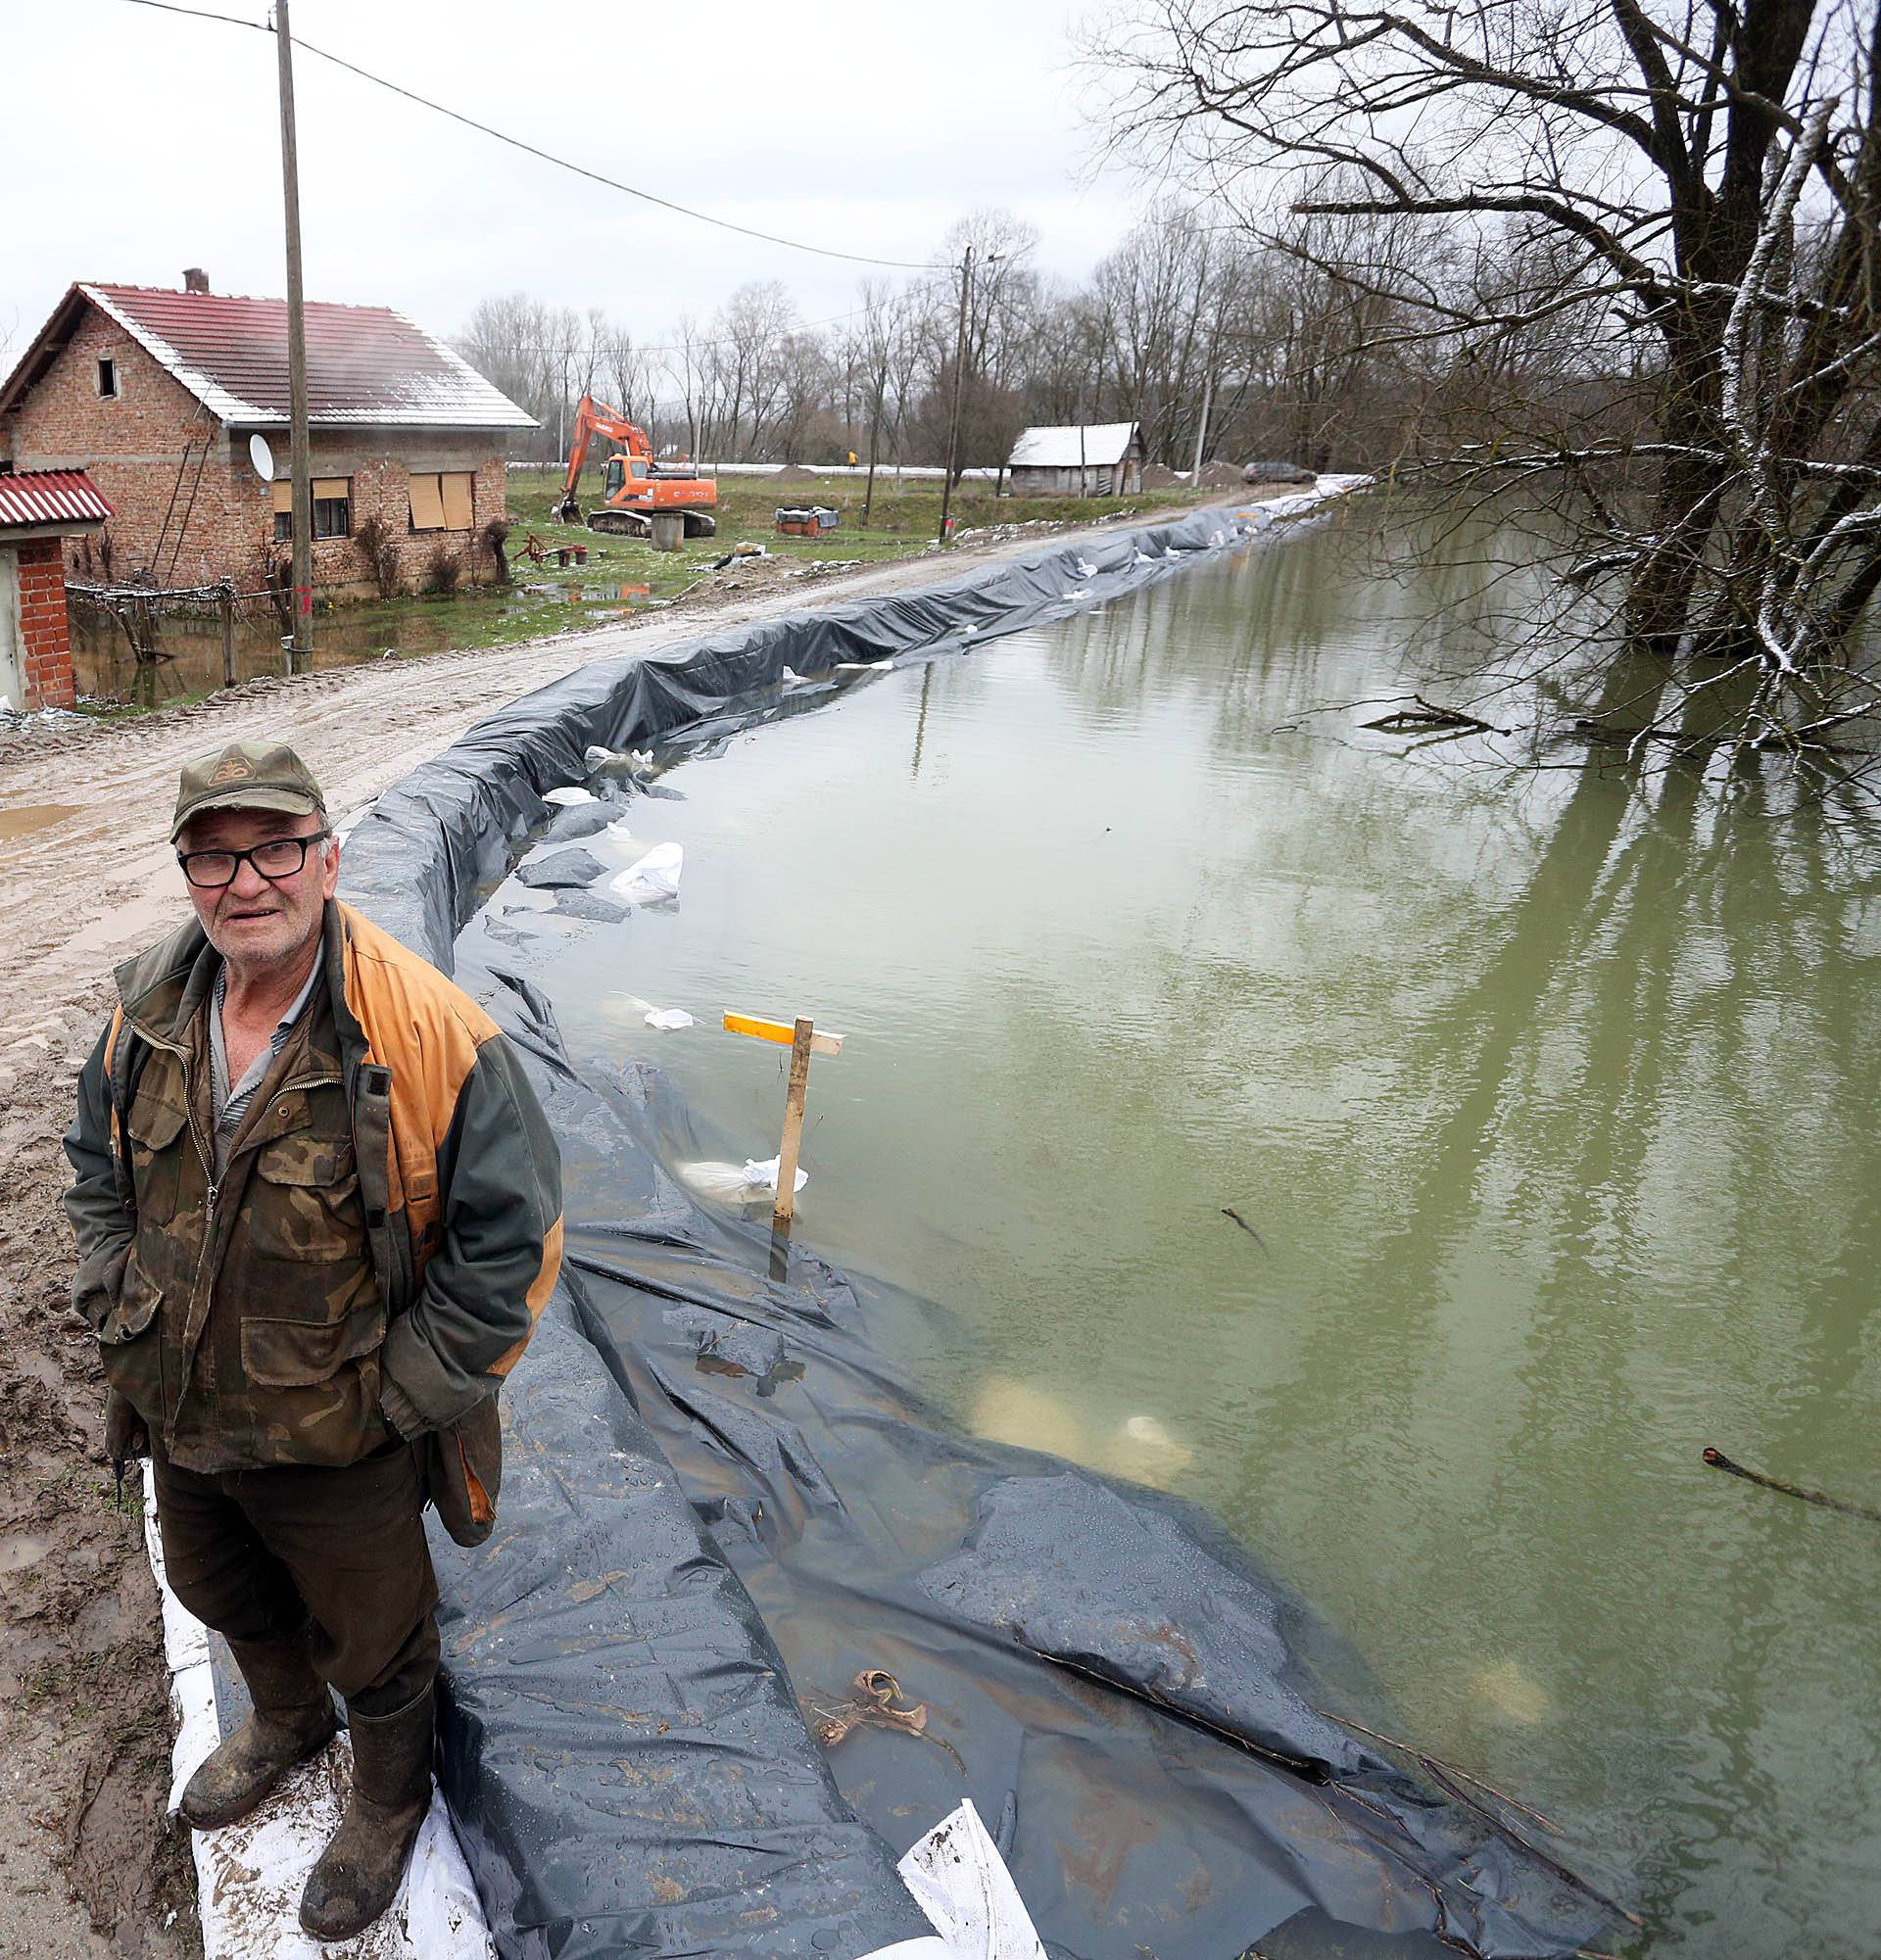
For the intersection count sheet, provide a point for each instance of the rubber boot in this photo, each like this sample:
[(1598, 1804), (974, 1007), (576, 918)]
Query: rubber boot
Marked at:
[(359, 1872), (293, 1720)]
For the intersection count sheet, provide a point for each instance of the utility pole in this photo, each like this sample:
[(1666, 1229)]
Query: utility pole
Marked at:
[(300, 645), (1201, 427), (959, 373)]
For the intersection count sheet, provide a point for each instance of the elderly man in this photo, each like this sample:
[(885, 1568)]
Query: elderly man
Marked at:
[(317, 1210)]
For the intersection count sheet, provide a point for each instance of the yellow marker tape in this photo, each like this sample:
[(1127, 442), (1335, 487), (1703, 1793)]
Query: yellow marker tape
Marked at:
[(782, 1031)]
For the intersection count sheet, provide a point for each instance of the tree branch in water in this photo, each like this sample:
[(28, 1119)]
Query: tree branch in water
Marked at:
[(1719, 1462)]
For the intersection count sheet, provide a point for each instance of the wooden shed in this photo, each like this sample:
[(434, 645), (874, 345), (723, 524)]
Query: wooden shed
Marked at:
[(1078, 459)]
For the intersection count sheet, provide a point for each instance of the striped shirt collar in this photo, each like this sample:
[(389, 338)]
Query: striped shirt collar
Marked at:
[(231, 1103)]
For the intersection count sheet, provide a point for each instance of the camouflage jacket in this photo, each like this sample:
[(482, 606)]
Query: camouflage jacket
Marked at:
[(373, 1257)]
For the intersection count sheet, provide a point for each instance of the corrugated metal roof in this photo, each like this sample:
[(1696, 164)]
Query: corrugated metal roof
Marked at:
[(1104, 443), (366, 365), (51, 497)]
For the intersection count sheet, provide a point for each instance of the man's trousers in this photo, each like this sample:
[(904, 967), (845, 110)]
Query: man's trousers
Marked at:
[(260, 1555)]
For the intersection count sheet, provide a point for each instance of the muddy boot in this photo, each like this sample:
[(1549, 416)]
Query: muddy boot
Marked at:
[(359, 1872), (293, 1720)]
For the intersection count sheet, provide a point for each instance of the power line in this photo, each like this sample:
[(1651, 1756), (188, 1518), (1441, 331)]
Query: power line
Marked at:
[(203, 13), (545, 155), (561, 349)]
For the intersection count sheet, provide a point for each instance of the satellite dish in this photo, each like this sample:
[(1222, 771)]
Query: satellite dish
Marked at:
[(261, 457)]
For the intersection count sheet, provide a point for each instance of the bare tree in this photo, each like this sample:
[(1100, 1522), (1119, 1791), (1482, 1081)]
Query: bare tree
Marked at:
[(1694, 185), (684, 365), (511, 339), (883, 328), (627, 374)]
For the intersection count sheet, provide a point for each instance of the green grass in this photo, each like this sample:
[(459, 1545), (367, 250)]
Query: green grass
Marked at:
[(133, 710), (549, 598)]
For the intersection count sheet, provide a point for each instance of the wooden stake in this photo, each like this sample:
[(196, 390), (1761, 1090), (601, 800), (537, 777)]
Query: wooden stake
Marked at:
[(801, 1039), (794, 1100)]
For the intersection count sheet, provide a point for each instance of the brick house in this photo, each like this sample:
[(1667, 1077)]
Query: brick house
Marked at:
[(156, 394), (38, 513)]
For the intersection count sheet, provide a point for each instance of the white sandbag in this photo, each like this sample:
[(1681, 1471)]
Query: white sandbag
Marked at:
[(668, 1020), (731, 1183), (569, 796), (653, 877), (960, 1881), (760, 1175)]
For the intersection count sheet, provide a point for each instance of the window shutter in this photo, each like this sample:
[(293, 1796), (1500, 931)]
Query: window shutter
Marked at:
[(456, 499), (428, 504), (284, 489), (332, 486)]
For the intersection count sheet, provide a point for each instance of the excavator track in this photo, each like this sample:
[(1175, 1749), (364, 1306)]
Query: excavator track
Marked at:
[(640, 524)]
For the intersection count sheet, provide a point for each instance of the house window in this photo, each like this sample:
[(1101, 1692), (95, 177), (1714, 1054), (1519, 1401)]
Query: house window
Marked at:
[(332, 508), (107, 377), (442, 501)]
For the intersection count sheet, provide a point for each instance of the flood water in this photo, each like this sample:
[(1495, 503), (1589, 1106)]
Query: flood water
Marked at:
[(1548, 1109), (191, 642)]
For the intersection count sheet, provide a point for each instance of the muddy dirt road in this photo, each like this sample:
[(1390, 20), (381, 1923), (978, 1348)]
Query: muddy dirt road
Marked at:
[(87, 878)]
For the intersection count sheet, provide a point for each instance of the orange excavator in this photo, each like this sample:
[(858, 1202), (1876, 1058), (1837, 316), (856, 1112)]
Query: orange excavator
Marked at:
[(636, 484)]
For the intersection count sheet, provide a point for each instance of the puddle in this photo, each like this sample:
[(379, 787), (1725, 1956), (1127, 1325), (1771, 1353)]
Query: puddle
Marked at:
[(190, 647), (19, 818), (21, 1549), (580, 594)]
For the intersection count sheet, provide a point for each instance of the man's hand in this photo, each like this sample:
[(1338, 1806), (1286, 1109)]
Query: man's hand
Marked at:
[(126, 1437)]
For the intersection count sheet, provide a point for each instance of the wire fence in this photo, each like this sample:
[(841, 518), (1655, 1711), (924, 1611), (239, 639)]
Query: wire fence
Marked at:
[(151, 618)]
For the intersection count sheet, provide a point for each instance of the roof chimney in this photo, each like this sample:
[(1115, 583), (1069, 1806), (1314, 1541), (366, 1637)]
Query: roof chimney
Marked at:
[(195, 279)]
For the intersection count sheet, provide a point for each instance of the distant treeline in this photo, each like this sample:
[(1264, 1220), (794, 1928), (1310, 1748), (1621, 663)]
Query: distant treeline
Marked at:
[(1185, 311)]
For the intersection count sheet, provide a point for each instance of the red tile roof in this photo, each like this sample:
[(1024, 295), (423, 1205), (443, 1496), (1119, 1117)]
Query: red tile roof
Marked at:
[(51, 497), (366, 365)]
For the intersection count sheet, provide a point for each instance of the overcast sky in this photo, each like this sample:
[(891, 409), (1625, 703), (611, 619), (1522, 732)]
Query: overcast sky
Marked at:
[(143, 142)]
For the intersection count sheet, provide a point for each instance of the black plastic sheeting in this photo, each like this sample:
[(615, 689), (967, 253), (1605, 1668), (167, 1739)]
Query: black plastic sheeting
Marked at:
[(1123, 1693)]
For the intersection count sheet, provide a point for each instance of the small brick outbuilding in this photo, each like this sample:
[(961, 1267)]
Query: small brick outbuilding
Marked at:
[(38, 513), (157, 392)]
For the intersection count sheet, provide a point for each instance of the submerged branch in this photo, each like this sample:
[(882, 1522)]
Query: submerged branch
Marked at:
[(1719, 1462), (1426, 715), (1432, 1763)]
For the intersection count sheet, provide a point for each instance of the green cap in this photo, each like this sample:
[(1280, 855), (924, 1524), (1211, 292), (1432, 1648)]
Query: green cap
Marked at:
[(246, 775)]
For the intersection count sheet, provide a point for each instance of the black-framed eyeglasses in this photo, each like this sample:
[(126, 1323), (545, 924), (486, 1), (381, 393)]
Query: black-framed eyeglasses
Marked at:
[(278, 857)]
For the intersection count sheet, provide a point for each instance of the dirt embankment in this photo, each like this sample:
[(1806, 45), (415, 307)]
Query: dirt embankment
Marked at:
[(86, 879)]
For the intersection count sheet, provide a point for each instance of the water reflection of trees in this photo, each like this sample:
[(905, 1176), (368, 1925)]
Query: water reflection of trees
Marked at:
[(1558, 1108), (1637, 1205)]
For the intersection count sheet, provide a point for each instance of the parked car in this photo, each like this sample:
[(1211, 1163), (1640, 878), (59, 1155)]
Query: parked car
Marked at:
[(1278, 472)]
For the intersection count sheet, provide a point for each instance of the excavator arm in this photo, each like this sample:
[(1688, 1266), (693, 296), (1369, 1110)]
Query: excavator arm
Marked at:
[(596, 419)]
